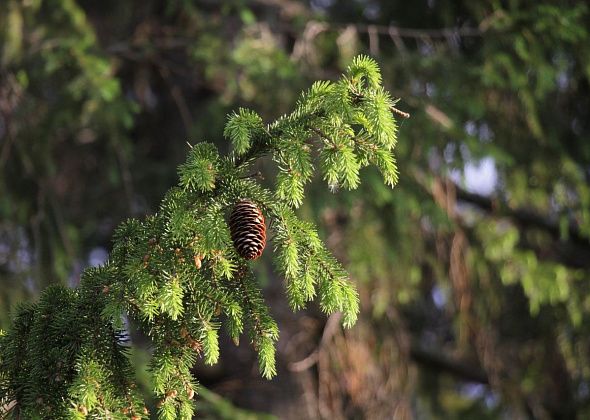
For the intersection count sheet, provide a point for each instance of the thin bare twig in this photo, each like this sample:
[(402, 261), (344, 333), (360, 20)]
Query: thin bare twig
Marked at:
[(322, 134), (373, 40), (329, 330), (178, 98), (420, 33), (397, 40), (399, 112), (305, 363)]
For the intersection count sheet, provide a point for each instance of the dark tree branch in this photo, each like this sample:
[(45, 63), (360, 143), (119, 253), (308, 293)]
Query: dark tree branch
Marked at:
[(440, 362), (571, 251), (523, 217)]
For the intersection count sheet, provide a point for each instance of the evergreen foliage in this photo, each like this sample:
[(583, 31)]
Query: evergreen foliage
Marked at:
[(490, 277), (178, 276)]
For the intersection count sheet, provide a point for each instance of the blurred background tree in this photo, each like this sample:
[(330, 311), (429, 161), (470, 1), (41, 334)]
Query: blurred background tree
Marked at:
[(473, 272)]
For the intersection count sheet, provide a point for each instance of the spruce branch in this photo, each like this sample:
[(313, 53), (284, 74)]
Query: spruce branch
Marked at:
[(178, 274)]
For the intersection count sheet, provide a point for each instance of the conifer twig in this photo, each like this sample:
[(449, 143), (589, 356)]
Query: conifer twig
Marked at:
[(399, 112), (322, 134)]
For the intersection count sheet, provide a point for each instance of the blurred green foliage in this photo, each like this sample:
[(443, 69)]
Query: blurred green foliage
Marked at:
[(474, 284)]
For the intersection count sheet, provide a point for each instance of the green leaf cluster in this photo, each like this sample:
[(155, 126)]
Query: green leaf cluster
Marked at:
[(178, 276)]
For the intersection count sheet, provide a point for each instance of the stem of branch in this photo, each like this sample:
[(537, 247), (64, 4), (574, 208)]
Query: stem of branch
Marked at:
[(399, 112)]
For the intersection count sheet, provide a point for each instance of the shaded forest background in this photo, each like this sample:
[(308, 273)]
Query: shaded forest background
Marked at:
[(473, 272)]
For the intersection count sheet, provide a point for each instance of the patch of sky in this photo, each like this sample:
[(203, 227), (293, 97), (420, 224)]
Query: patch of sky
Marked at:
[(97, 256)]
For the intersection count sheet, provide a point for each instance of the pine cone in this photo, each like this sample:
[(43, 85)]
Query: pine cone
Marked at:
[(247, 228)]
